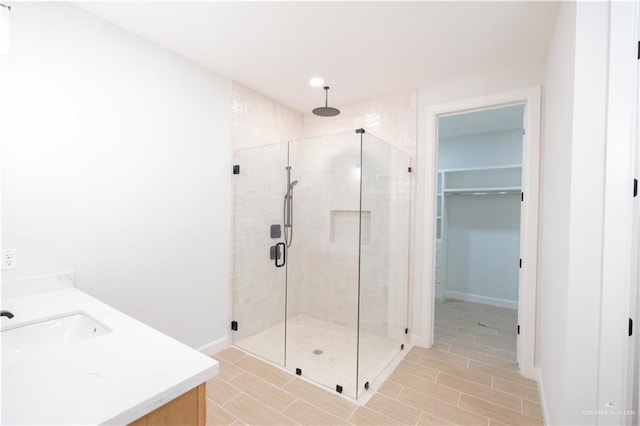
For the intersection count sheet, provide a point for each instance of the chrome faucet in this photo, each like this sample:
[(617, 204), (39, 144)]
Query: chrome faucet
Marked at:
[(7, 314)]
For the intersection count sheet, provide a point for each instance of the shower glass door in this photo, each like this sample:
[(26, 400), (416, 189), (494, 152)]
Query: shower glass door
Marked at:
[(384, 257), (259, 286), (322, 261)]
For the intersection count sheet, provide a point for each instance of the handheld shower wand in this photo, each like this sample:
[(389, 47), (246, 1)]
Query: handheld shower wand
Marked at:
[(288, 209)]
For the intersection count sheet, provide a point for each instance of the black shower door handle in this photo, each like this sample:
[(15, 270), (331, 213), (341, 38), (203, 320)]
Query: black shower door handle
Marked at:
[(284, 255)]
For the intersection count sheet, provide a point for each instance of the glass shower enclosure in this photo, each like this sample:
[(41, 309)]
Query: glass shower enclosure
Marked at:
[(321, 256)]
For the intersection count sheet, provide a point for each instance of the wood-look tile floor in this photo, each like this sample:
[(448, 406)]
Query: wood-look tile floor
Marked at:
[(469, 377)]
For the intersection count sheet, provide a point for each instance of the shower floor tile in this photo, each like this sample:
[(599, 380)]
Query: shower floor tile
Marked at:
[(325, 352)]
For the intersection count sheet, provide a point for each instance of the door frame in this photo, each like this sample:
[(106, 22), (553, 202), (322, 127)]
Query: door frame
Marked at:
[(530, 97), (619, 294)]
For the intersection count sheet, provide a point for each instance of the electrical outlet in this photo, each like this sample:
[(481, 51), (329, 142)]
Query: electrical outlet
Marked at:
[(9, 259)]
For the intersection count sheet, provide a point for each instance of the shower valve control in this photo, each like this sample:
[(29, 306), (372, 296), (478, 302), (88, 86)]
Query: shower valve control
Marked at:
[(275, 252)]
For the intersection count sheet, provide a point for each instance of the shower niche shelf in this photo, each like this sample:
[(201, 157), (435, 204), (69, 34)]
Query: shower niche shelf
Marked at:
[(344, 226)]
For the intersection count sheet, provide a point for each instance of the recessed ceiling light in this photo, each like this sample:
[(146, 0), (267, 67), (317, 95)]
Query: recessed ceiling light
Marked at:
[(316, 82)]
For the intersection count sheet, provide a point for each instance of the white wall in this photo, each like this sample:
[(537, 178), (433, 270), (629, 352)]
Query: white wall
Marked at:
[(483, 246), (554, 217), (115, 164), (571, 235), (586, 210)]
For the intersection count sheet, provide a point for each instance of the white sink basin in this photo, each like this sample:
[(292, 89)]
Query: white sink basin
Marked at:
[(51, 331)]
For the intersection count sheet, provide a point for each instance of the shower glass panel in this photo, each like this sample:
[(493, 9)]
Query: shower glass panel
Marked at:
[(321, 240), (322, 274), (384, 256), (259, 287)]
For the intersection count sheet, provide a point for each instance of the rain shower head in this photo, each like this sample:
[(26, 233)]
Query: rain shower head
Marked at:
[(326, 111)]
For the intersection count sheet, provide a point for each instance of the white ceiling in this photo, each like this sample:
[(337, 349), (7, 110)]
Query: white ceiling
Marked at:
[(361, 49)]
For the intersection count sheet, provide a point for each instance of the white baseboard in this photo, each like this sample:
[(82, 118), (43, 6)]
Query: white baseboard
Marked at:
[(215, 346), (502, 303), (543, 398), (420, 342)]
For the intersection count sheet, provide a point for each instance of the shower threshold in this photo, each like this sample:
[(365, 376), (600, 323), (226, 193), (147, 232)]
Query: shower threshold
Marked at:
[(326, 353)]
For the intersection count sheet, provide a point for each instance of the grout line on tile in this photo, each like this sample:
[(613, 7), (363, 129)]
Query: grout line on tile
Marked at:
[(290, 380), (497, 404), (402, 387), (479, 397), (236, 388), (313, 403), (235, 376), (419, 417), (256, 402), (295, 399), (234, 362), (399, 402), (222, 407)]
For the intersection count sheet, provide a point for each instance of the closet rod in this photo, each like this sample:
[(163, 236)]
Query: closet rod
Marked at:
[(483, 192)]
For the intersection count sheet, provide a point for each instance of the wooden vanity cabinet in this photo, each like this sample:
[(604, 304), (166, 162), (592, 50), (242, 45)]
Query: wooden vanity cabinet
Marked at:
[(187, 409)]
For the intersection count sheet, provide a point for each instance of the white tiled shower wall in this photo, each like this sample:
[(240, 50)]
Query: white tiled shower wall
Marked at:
[(257, 120), (392, 118), (328, 269), (325, 271), (257, 286)]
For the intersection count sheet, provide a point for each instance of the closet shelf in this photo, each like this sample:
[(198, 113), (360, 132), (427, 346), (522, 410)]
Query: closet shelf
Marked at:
[(492, 190)]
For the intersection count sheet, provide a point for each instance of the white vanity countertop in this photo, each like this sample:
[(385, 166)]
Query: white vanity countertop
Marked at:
[(114, 378)]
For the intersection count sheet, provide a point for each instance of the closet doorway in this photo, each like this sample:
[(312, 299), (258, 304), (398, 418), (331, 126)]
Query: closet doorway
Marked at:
[(478, 211), (478, 206), (493, 266)]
